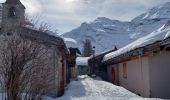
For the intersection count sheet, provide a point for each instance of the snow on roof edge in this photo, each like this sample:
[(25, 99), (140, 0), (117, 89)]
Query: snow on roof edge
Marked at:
[(70, 42), (82, 61), (146, 40), (69, 39)]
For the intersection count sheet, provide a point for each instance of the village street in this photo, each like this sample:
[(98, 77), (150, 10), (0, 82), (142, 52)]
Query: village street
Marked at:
[(86, 88)]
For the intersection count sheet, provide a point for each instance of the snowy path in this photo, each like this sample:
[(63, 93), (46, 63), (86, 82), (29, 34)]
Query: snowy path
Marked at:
[(99, 90), (87, 88)]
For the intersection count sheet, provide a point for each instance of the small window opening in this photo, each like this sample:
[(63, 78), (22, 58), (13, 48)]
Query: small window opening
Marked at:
[(12, 12), (9, 34)]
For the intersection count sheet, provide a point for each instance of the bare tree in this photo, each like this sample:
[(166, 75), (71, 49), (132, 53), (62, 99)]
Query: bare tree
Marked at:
[(24, 68), (87, 49)]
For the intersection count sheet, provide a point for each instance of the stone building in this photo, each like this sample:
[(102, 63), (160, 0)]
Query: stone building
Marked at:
[(74, 52), (72, 70), (82, 65), (96, 65), (142, 66), (12, 14)]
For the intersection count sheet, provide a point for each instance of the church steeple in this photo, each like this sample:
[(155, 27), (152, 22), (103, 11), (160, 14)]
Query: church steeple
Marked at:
[(13, 15), (12, 1)]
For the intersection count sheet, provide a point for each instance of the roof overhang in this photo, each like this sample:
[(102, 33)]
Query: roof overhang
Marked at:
[(145, 51)]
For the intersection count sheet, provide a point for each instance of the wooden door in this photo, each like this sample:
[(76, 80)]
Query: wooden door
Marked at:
[(118, 74), (113, 75)]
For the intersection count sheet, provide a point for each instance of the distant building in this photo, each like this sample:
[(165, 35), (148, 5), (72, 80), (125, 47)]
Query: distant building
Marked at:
[(74, 53), (96, 65), (82, 65), (72, 69), (12, 14)]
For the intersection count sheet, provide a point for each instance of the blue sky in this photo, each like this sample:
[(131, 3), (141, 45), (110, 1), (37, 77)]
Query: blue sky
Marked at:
[(64, 15)]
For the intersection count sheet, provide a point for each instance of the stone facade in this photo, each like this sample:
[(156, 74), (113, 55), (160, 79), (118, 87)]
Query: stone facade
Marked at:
[(13, 15), (13, 20)]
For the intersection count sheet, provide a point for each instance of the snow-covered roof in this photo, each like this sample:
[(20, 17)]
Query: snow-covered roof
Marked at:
[(167, 35), (70, 42), (146, 40), (82, 60)]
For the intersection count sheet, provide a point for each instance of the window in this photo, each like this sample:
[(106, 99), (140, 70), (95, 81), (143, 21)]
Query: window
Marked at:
[(124, 70), (12, 12), (8, 34)]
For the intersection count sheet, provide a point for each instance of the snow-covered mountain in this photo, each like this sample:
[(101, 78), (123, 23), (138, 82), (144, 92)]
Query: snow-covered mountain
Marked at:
[(105, 33), (161, 11)]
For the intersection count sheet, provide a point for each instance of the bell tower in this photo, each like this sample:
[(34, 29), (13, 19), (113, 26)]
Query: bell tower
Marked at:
[(13, 16)]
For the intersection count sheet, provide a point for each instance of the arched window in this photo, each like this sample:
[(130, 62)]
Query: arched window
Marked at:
[(12, 12)]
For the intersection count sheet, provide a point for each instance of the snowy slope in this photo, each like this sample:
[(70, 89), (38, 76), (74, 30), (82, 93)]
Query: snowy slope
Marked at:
[(105, 33), (100, 32), (87, 88), (161, 11)]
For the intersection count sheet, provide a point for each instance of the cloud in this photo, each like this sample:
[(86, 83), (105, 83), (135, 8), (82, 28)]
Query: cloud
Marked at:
[(125, 10), (31, 8), (65, 15)]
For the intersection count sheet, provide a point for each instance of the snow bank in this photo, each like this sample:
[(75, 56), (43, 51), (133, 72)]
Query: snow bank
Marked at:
[(146, 40), (87, 88), (82, 60)]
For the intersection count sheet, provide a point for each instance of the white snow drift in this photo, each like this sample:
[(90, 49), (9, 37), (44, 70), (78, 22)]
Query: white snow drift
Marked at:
[(87, 88), (82, 60)]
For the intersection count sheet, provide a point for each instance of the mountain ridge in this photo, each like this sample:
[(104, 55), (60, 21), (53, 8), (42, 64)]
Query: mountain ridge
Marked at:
[(106, 33)]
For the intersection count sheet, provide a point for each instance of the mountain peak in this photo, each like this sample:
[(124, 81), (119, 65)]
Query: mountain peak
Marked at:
[(102, 19), (103, 31), (158, 12), (167, 4), (84, 24)]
